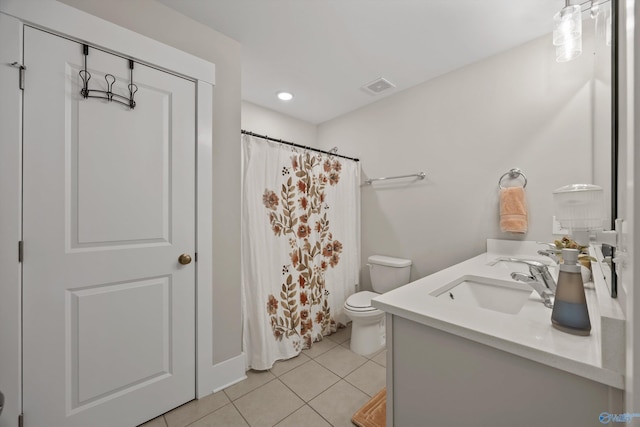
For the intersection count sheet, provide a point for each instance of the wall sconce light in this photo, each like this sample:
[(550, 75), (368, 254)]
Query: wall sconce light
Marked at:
[(567, 27), (567, 32), (601, 12)]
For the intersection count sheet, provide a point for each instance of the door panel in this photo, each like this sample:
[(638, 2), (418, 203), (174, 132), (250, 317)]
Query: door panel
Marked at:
[(95, 201), (101, 341), (109, 206)]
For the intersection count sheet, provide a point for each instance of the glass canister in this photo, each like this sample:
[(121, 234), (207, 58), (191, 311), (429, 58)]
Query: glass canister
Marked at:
[(579, 206)]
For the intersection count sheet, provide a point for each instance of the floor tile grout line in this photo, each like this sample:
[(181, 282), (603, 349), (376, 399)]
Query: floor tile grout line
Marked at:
[(320, 415), (206, 415), (301, 354), (244, 394), (240, 412), (338, 342), (373, 361), (345, 375), (286, 360), (274, 379), (326, 351), (330, 423), (302, 398), (358, 388), (337, 332), (379, 364), (372, 355), (295, 394)]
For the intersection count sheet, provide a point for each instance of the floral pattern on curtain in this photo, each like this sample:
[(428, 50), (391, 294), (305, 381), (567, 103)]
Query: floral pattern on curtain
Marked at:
[(300, 247), (301, 310)]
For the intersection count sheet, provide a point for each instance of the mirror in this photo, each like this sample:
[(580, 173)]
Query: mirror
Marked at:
[(615, 21), (605, 114)]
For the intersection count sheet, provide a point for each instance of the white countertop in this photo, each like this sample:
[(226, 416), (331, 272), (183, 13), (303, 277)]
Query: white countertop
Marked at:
[(528, 334)]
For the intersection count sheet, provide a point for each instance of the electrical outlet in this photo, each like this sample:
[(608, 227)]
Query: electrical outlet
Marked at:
[(557, 229)]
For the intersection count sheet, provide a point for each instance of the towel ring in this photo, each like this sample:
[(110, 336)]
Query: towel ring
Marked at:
[(513, 174)]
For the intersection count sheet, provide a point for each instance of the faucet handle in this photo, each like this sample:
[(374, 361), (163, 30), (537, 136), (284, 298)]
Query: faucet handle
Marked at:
[(543, 272), (537, 286)]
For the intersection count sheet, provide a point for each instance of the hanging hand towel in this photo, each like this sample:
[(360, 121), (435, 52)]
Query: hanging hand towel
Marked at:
[(513, 210)]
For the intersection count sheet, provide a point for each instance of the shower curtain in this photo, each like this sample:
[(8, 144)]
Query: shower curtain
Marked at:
[(300, 247)]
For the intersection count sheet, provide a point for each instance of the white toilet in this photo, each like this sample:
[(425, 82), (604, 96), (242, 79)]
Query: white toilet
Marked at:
[(367, 330)]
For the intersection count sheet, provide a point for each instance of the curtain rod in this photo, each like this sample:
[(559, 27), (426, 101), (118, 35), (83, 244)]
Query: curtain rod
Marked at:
[(246, 132)]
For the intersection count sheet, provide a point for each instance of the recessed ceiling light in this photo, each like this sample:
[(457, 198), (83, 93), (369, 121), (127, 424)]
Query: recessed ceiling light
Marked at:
[(285, 96)]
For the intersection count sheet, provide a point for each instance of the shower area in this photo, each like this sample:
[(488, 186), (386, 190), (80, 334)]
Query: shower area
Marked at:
[(300, 246)]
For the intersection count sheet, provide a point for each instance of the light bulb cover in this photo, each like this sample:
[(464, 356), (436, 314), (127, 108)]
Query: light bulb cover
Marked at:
[(569, 50), (567, 25)]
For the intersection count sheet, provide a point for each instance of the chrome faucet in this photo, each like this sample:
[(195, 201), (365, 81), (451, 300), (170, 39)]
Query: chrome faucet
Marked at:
[(538, 286), (538, 270), (551, 253)]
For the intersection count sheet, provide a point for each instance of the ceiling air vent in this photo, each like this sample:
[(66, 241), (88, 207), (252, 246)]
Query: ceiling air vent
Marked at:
[(377, 86)]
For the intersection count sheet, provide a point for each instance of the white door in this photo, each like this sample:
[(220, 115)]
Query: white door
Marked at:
[(109, 206)]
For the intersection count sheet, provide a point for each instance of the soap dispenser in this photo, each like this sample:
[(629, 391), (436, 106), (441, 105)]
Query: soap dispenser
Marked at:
[(570, 312)]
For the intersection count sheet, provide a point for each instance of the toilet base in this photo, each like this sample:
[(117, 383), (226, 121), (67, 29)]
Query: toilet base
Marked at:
[(367, 338)]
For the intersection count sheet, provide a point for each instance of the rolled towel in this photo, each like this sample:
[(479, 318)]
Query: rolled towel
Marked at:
[(513, 210)]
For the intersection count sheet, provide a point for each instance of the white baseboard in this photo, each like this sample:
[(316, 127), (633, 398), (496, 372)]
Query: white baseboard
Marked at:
[(222, 375)]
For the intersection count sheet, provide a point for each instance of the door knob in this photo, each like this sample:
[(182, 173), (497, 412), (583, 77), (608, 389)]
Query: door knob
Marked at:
[(184, 259)]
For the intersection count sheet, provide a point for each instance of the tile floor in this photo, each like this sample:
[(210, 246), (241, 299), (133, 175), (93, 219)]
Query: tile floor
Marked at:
[(323, 386)]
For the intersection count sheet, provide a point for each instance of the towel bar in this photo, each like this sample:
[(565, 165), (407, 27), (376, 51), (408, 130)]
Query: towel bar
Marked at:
[(419, 175)]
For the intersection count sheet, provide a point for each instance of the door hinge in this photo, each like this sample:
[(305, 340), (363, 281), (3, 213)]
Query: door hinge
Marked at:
[(21, 420), (21, 69), (20, 251)]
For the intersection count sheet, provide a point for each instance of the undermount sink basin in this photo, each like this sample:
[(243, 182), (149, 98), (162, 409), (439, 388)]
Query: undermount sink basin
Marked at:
[(491, 294)]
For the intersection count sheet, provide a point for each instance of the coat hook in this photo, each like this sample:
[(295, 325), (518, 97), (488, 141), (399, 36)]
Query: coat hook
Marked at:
[(110, 79)]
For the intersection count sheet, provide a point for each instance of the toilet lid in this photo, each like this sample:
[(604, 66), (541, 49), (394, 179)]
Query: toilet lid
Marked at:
[(361, 301)]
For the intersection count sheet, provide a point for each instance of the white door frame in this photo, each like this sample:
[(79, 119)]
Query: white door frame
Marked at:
[(10, 221), (628, 249), (72, 23)]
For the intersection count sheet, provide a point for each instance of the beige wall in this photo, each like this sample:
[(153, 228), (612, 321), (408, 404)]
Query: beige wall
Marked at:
[(155, 20), (276, 125), (465, 129)]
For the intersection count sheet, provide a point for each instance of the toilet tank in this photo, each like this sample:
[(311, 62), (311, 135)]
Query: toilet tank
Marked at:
[(388, 273)]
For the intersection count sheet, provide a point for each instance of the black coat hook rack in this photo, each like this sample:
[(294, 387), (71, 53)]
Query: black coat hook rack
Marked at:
[(107, 94)]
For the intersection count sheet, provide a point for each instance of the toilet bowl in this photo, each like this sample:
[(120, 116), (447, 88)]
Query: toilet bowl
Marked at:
[(368, 326), (367, 323)]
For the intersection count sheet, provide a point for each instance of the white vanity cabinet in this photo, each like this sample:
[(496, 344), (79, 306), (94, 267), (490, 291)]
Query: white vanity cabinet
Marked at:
[(435, 378), (456, 359)]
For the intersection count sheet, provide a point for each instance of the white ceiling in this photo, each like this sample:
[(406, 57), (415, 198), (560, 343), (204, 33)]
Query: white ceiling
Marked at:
[(325, 50)]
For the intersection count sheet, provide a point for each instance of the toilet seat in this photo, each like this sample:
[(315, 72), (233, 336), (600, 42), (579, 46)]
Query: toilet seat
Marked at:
[(361, 302)]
